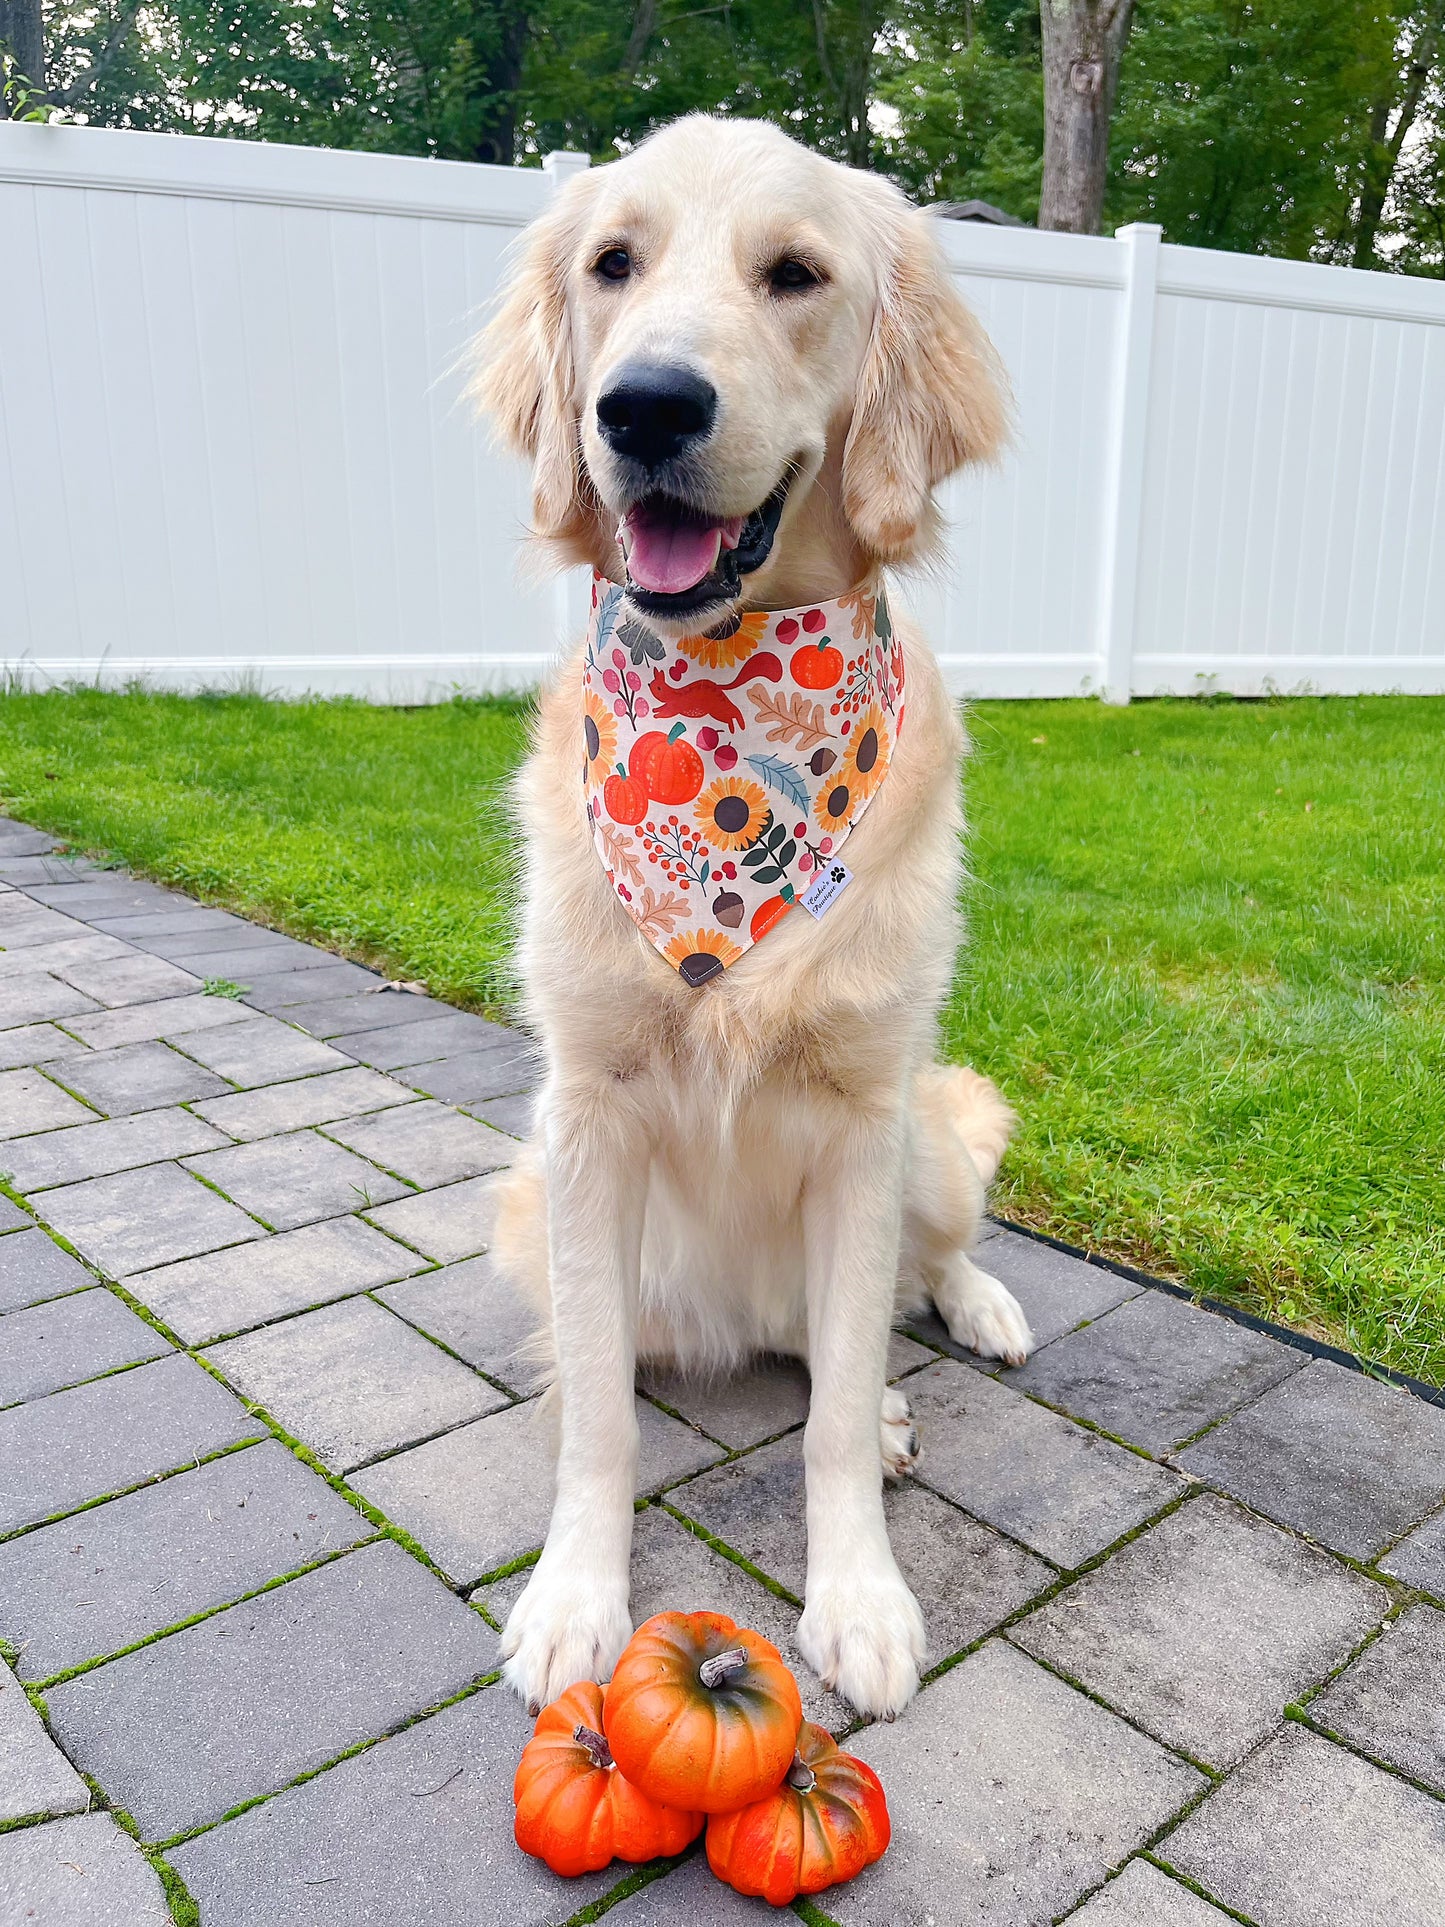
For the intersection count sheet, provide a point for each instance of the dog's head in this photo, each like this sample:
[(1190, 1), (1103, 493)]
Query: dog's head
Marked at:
[(743, 362)]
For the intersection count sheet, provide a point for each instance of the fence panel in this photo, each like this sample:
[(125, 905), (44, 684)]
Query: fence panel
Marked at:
[(232, 450)]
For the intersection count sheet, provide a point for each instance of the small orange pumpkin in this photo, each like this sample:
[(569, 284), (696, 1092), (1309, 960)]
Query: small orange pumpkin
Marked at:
[(702, 1713), (767, 914), (817, 665), (624, 798), (668, 767), (826, 1822), (575, 1810)]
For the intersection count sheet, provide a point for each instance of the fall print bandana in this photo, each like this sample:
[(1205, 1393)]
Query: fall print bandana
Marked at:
[(724, 771)]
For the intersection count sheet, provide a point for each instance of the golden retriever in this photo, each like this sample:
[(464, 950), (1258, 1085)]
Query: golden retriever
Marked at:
[(773, 1160)]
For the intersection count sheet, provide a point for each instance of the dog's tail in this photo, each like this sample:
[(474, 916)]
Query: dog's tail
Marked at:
[(981, 1116)]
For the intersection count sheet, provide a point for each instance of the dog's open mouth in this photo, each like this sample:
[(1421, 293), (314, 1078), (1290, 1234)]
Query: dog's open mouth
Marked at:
[(680, 558)]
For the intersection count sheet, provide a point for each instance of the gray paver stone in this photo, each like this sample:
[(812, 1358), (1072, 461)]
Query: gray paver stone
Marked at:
[(482, 1495), (1391, 1701), (34, 1268), (58, 956), (139, 1219), (1419, 1559), (100, 1581), (109, 894), (427, 1142), (966, 1578), (1144, 1897), (172, 1017), (309, 1100), (417, 1828), (96, 1150), (454, 1222), (33, 1044), (746, 1406), (134, 979), (352, 1380), (35, 1776), (1304, 1834), (28, 926), (83, 1872), (136, 1077), (375, 1008), (59, 1452), (693, 1894), (30, 1102), (18, 839), (214, 949), (231, 1291), (1156, 1369), (70, 1339), (281, 989), (261, 1050), (296, 1179), (402, 1045), (36, 997), (476, 1314), (514, 1115), (302, 1672), (1343, 1457), (12, 1218), (1206, 1627), (1010, 1794), (164, 923), (1064, 1491)]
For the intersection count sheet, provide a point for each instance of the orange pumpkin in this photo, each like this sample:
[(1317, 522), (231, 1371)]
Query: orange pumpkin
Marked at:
[(817, 665), (575, 1810), (702, 1713), (624, 798), (826, 1822), (668, 767)]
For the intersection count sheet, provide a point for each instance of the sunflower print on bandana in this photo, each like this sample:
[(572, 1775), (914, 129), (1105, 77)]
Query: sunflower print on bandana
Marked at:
[(723, 772)]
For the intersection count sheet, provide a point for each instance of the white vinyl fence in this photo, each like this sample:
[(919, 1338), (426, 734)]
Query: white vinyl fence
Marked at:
[(232, 451)]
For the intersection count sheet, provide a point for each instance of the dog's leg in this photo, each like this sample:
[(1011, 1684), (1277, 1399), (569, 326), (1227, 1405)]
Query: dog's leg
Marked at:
[(861, 1630), (572, 1621)]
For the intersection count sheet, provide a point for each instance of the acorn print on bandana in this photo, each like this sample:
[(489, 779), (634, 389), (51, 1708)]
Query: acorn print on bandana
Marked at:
[(723, 772)]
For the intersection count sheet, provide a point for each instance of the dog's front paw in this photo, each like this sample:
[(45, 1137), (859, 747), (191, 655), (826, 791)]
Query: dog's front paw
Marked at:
[(565, 1627), (862, 1634)]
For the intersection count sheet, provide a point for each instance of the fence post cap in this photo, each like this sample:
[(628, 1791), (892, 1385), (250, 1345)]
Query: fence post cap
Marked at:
[(560, 165), (1146, 230)]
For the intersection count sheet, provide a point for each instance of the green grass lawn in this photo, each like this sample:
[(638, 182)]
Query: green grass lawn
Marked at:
[(1205, 961)]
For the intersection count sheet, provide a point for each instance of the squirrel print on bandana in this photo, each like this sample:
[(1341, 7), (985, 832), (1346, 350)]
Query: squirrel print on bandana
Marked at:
[(723, 772)]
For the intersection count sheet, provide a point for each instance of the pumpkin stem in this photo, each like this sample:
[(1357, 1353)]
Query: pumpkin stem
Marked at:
[(800, 1776), (720, 1668), (593, 1744)]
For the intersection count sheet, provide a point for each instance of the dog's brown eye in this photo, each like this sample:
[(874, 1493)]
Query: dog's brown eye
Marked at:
[(614, 265), (790, 276)]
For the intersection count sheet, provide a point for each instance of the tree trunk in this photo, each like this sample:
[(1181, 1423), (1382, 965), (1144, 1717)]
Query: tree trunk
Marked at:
[(22, 36), (497, 140), (1385, 146), (1083, 43)]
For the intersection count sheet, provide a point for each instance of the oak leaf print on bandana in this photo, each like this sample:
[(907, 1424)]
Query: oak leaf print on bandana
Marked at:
[(723, 772)]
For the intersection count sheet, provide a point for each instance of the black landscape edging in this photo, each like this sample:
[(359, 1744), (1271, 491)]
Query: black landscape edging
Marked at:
[(1300, 1341)]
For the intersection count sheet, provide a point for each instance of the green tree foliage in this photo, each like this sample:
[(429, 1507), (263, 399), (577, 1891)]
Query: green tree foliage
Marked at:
[(1260, 125)]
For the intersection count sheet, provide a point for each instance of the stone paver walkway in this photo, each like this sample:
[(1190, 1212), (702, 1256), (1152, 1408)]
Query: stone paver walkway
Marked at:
[(270, 1477)]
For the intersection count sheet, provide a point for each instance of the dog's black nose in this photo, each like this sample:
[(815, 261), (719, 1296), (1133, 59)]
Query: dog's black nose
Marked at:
[(653, 410)]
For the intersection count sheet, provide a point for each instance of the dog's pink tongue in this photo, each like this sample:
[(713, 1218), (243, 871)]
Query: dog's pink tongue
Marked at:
[(670, 557)]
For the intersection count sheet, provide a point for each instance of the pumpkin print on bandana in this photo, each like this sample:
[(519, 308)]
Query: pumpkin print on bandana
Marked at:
[(723, 772)]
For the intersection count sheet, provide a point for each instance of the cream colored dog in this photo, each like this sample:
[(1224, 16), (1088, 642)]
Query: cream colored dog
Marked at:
[(728, 350)]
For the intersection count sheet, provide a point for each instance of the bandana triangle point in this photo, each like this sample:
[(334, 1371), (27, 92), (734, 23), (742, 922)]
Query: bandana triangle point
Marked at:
[(724, 771)]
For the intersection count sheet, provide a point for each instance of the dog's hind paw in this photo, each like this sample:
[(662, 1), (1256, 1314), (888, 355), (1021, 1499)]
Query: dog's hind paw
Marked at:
[(982, 1314)]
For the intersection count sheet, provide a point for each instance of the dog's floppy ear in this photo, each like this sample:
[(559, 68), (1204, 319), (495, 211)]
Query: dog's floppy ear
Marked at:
[(523, 372), (931, 395)]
